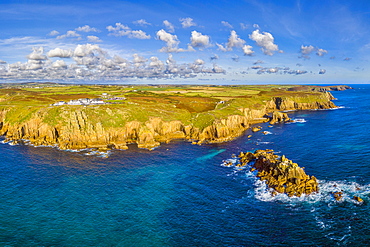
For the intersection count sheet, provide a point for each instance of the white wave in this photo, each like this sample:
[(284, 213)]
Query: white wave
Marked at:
[(258, 143), (299, 120), (266, 132), (325, 194)]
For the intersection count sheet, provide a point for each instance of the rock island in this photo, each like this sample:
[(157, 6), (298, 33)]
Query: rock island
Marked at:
[(113, 116)]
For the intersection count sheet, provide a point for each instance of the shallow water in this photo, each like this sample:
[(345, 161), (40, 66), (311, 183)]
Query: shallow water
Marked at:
[(180, 195)]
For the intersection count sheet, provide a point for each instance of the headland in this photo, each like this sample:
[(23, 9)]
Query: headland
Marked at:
[(113, 116)]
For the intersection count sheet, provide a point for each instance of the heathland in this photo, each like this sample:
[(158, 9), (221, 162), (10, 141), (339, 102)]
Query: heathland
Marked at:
[(117, 115)]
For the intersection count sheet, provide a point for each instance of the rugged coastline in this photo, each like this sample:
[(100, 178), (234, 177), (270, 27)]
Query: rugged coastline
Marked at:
[(150, 115)]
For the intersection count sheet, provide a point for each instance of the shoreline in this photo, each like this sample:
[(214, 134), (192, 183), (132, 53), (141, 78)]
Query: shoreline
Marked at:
[(80, 132)]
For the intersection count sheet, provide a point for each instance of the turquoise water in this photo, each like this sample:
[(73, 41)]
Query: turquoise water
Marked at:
[(180, 195)]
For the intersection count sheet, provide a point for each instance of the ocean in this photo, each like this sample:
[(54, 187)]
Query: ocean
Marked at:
[(180, 194)]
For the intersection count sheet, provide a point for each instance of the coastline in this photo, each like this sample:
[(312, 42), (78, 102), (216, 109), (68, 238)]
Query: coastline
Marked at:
[(77, 130)]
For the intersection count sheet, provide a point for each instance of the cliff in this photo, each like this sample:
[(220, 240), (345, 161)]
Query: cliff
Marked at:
[(201, 119)]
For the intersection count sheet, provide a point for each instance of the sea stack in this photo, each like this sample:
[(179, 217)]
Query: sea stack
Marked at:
[(280, 173)]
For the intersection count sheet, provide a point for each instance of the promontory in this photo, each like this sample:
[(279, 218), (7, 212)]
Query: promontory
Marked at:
[(113, 116)]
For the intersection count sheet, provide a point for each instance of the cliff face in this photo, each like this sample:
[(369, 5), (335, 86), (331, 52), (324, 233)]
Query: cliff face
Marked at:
[(77, 129)]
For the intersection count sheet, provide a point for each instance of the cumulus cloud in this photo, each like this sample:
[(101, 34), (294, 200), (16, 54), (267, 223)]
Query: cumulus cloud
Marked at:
[(53, 33), (197, 39), (265, 40), (171, 40), (122, 30), (37, 54), (70, 34), (247, 49), (90, 62), (59, 64), (226, 24), (87, 49), (2, 62), (142, 23), (307, 50), (87, 29), (169, 26), (57, 52), (93, 39), (187, 22), (233, 41), (321, 52)]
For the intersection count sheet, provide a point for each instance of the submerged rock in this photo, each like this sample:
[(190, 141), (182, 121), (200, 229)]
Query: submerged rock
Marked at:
[(280, 174)]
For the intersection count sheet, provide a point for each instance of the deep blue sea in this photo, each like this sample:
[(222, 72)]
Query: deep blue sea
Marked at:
[(180, 195)]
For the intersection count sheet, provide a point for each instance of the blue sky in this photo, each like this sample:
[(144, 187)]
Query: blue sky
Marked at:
[(186, 41)]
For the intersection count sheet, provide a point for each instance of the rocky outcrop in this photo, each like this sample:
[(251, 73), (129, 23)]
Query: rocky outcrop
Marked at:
[(279, 117), (78, 129), (280, 173), (301, 103)]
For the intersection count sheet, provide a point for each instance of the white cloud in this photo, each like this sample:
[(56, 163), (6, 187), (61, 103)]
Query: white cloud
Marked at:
[(321, 52), (87, 50), (87, 29), (2, 62), (93, 39), (199, 40), (53, 33), (226, 24), (233, 41), (171, 41), (187, 22), (142, 23), (69, 34), (57, 52), (265, 40), (306, 50), (156, 63), (169, 26), (37, 54), (118, 27), (59, 64), (138, 34), (123, 30), (247, 49)]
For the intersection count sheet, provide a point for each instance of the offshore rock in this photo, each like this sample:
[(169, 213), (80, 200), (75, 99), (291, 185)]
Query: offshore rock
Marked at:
[(280, 173), (279, 117)]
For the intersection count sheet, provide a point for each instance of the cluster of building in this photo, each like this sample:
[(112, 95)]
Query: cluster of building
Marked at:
[(85, 101)]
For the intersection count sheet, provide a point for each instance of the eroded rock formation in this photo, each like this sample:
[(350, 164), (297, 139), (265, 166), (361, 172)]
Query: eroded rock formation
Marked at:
[(280, 174)]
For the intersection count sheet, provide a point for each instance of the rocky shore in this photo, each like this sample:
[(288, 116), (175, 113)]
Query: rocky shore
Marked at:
[(78, 128), (280, 174)]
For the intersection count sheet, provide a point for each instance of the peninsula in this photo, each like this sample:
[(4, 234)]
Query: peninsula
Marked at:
[(114, 116)]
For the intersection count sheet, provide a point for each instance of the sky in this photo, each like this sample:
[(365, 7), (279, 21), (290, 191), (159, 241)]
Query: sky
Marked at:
[(219, 41)]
